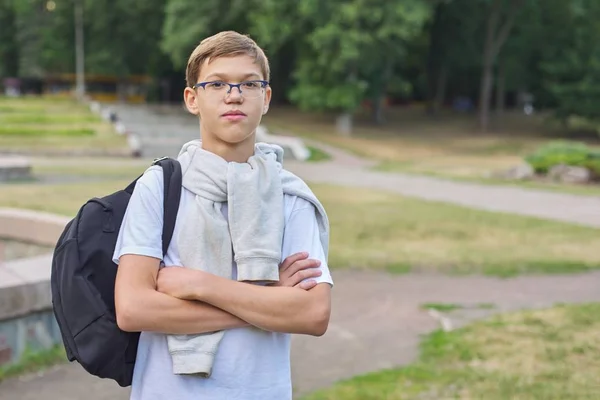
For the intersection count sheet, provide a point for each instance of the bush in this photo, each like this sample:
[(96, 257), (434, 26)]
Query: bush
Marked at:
[(563, 152), (593, 163)]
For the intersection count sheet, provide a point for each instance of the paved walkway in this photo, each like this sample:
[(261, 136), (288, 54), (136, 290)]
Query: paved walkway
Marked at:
[(378, 319)]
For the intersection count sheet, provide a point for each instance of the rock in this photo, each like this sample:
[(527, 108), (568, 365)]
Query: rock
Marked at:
[(135, 144), (519, 172), (14, 168), (292, 146), (120, 128), (95, 107), (569, 174)]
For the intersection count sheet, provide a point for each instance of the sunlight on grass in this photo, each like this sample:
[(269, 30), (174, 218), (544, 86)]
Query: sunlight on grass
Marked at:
[(377, 230), (531, 355), (381, 231), (55, 126)]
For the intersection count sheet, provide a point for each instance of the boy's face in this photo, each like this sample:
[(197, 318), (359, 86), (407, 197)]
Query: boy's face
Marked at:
[(215, 107)]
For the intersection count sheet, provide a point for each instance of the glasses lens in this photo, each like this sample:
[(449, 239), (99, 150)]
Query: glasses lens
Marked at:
[(251, 89), (219, 90)]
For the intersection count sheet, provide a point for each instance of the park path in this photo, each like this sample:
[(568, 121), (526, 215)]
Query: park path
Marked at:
[(378, 319)]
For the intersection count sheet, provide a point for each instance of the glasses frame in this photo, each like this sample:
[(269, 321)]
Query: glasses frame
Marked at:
[(263, 85)]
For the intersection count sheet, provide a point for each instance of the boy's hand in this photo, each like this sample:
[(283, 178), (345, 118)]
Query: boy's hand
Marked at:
[(296, 271), (178, 282)]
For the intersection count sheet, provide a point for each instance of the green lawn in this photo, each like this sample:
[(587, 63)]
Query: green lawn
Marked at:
[(551, 354), (48, 125), (382, 231)]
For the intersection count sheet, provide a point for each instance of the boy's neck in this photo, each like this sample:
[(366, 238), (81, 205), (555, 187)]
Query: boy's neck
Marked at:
[(239, 152)]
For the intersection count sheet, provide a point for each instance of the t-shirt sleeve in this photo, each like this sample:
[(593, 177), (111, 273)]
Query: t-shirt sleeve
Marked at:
[(141, 229), (302, 234)]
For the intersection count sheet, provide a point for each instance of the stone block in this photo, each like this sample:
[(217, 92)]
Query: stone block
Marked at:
[(31, 226)]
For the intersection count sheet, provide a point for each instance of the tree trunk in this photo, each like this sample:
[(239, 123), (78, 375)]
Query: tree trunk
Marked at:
[(500, 90), (344, 124), (494, 40), (378, 104), (380, 96), (487, 81), (440, 90), (435, 60)]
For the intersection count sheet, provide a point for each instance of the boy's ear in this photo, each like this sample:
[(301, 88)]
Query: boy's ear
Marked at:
[(189, 96), (268, 93)]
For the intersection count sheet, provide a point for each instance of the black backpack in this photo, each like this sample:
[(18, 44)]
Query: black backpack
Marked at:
[(83, 280)]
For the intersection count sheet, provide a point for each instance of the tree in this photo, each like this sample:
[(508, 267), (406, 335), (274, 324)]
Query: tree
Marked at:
[(500, 19), (9, 50), (187, 22), (346, 50), (454, 45), (572, 65)]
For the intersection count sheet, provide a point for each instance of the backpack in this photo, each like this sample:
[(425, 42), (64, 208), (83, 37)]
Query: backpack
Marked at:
[(83, 279)]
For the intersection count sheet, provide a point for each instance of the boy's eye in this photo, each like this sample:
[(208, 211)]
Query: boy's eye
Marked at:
[(251, 85), (215, 85)]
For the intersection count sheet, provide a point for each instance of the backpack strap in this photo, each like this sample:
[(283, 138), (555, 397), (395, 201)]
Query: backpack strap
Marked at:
[(172, 179)]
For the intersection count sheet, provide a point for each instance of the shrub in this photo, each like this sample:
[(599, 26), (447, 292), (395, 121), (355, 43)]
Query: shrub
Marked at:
[(562, 152)]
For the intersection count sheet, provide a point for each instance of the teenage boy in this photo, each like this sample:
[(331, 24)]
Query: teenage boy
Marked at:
[(216, 321)]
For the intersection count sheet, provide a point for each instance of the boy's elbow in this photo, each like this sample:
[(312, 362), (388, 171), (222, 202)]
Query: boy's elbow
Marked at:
[(320, 321), (126, 316)]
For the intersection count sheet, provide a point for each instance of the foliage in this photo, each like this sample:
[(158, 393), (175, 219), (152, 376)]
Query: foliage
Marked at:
[(570, 153), (572, 65), (348, 52), (334, 55)]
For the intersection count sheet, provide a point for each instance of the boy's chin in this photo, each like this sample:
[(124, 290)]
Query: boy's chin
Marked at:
[(236, 137)]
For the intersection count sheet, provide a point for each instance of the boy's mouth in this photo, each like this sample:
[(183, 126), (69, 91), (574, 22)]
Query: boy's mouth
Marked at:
[(234, 115)]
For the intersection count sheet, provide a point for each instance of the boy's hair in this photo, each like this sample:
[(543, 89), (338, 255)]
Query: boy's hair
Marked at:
[(224, 44)]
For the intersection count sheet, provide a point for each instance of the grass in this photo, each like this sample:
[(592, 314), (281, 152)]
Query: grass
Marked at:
[(382, 231), (442, 307), (99, 168), (449, 146), (43, 131), (34, 361), (449, 307), (48, 125), (27, 118), (317, 154), (550, 354)]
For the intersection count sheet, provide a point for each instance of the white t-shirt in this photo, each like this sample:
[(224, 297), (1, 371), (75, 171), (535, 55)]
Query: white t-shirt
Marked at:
[(251, 364)]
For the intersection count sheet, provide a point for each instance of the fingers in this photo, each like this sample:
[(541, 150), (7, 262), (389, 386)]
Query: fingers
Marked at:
[(290, 260), (303, 275), (301, 265), (307, 285)]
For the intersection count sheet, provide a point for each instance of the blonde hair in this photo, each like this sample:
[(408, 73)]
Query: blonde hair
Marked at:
[(224, 44)]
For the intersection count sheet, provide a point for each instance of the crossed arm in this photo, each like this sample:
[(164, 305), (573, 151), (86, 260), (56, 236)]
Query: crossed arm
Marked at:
[(184, 301)]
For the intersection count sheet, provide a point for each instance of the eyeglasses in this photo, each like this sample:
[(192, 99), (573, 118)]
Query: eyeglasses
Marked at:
[(220, 89)]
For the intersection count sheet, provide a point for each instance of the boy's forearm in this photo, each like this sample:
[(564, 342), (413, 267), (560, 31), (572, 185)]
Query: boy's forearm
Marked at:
[(157, 312), (277, 309)]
